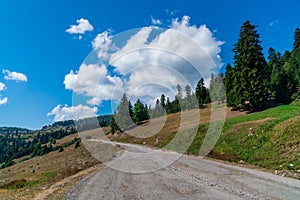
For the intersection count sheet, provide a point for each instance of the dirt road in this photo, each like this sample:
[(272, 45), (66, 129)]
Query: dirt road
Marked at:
[(133, 174)]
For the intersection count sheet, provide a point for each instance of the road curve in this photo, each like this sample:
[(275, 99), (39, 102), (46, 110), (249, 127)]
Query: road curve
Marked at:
[(186, 178)]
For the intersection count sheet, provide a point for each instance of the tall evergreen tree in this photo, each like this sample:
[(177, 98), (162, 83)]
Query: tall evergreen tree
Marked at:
[(140, 112), (217, 90), (200, 92), (123, 114), (296, 39), (114, 126), (168, 106), (250, 68), (212, 81), (292, 67), (158, 110), (179, 92), (228, 82), (176, 106), (188, 97), (130, 109), (278, 82), (163, 101)]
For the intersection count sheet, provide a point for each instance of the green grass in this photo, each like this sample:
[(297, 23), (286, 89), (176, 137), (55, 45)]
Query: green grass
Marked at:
[(282, 113), (18, 184), (273, 143), (268, 139), (50, 175)]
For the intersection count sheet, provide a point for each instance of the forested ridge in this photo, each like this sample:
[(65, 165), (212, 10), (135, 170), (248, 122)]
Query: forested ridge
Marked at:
[(24, 143)]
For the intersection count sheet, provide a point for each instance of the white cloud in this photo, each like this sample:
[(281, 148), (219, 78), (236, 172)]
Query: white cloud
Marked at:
[(94, 81), (155, 21), (2, 86), (3, 101), (146, 66), (64, 112), (82, 26), (102, 45), (180, 54), (16, 76)]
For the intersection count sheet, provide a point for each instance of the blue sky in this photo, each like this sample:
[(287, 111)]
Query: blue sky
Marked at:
[(34, 41)]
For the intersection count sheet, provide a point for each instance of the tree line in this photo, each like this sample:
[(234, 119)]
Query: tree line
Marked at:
[(16, 144), (127, 116), (252, 81), (247, 85)]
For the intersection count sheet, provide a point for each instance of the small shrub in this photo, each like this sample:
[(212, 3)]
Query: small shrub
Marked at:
[(61, 149), (77, 144)]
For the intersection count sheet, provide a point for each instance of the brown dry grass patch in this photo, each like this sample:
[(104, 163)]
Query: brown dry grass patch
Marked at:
[(29, 178)]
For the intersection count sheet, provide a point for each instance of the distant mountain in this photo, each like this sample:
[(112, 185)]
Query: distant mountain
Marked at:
[(21, 142), (5, 130)]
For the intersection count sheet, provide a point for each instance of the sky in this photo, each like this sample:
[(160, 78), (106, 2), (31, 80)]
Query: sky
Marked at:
[(47, 70)]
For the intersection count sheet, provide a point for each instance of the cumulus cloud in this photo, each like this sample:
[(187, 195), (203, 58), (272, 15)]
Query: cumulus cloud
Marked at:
[(2, 86), (180, 54), (3, 100), (102, 45), (83, 25), (16, 76), (155, 21), (65, 112), (93, 81), (147, 64)]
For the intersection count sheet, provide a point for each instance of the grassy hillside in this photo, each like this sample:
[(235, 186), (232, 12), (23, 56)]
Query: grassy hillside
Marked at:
[(269, 139), (49, 176)]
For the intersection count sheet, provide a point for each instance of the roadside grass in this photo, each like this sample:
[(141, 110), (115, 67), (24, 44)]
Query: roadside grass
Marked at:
[(268, 139)]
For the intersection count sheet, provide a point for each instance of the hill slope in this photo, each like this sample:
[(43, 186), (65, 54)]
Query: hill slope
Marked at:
[(269, 139), (50, 176)]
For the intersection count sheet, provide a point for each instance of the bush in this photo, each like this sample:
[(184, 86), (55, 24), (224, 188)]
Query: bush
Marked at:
[(61, 149), (77, 144)]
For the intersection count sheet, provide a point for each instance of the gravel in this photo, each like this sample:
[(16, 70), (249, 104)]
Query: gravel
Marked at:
[(169, 175)]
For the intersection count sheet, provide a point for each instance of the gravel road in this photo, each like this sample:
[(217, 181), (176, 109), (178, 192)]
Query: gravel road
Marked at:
[(134, 175)]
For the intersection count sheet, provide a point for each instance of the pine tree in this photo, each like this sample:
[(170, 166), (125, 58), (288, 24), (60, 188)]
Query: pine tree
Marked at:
[(296, 39), (201, 92), (123, 114), (139, 112), (292, 67), (157, 111), (228, 81), (113, 125), (168, 106), (163, 101), (212, 81), (217, 90), (179, 92), (176, 106), (278, 82), (207, 99), (188, 99), (130, 108), (250, 68)]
